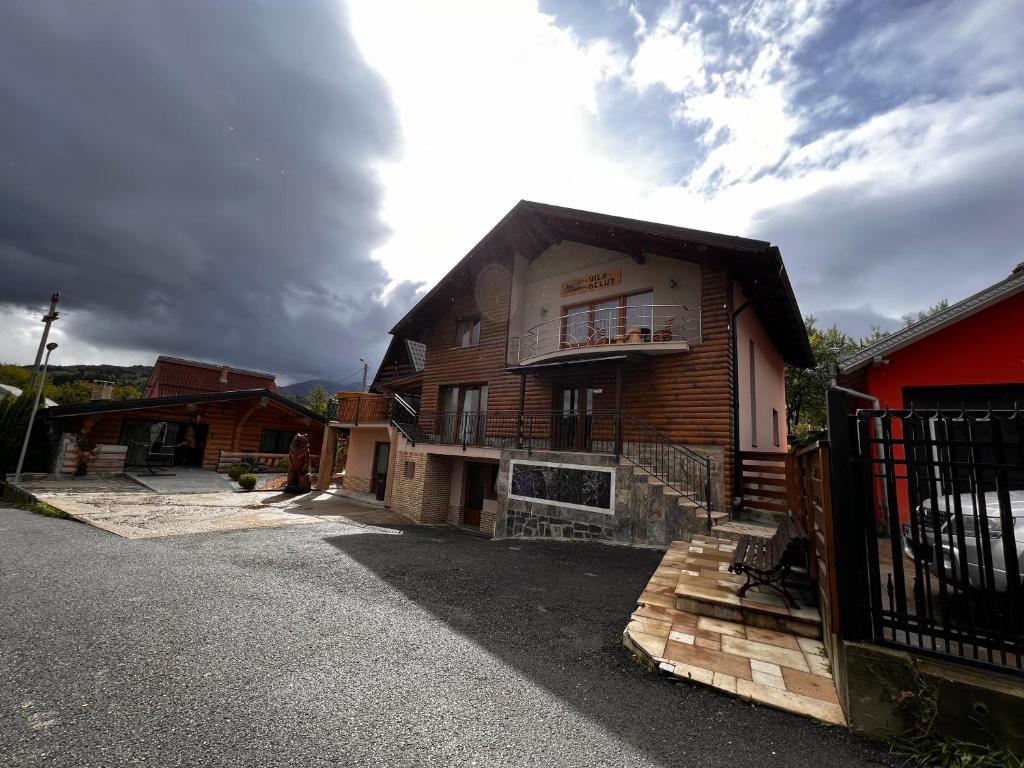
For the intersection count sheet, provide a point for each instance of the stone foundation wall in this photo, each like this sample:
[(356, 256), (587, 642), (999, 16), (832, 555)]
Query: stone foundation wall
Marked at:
[(358, 484), (641, 514)]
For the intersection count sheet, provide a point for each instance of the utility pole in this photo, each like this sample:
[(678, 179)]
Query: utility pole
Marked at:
[(31, 419), (48, 318), (366, 368)]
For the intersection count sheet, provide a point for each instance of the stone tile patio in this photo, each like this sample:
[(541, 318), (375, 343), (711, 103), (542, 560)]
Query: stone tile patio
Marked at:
[(120, 505), (690, 625)]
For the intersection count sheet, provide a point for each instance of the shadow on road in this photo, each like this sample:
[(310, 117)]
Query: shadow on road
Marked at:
[(555, 612)]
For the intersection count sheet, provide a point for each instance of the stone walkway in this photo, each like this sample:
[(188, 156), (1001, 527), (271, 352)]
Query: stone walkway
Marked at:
[(691, 626), (123, 507)]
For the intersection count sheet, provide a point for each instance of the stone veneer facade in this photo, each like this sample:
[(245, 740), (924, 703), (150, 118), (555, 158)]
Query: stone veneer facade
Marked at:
[(641, 514)]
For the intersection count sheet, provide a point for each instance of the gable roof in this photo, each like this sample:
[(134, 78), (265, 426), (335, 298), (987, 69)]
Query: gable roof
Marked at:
[(954, 313), (109, 406), (177, 376), (404, 360), (530, 228)]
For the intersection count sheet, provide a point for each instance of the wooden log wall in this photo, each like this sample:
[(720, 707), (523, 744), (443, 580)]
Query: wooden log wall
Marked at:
[(687, 396), (235, 425)]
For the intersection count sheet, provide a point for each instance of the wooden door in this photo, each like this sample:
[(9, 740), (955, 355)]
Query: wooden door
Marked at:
[(379, 478), (476, 491)]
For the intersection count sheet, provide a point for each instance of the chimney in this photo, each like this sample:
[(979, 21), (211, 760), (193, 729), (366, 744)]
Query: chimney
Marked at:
[(102, 390)]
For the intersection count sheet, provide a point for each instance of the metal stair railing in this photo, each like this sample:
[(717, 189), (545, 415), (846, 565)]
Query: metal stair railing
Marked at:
[(682, 469)]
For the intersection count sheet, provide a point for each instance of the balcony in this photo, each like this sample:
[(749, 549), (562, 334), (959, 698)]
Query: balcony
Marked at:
[(363, 408), (645, 328)]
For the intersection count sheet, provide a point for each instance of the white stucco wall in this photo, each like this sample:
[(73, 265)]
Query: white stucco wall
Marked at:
[(536, 286), (769, 378), (361, 442)]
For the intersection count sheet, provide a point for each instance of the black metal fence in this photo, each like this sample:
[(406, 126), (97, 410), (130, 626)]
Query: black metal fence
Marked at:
[(936, 499)]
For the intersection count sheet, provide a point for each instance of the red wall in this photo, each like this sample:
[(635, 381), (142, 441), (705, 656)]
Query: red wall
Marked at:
[(985, 348)]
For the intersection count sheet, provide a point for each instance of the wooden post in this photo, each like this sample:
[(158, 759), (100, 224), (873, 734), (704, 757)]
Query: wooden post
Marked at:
[(850, 542), (618, 410), (327, 450), (522, 405)]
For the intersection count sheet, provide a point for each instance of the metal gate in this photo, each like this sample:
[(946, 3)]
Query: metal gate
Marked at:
[(935, 499)]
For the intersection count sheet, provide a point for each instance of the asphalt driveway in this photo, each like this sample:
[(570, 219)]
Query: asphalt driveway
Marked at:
[(336, 644)]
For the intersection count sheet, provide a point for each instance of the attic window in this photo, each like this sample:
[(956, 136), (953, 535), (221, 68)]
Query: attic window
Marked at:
[(467, 332)]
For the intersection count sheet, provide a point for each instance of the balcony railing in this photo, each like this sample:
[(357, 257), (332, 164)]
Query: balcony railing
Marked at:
[(679, 467), (364, 409), (629, 325)]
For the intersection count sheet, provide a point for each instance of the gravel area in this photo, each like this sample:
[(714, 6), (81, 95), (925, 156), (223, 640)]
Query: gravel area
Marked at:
[(340, 644)]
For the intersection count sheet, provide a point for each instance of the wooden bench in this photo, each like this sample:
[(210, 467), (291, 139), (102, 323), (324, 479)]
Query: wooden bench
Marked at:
[(767, 562)]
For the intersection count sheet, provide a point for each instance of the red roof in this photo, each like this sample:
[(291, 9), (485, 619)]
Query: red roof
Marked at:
[(172, 376)]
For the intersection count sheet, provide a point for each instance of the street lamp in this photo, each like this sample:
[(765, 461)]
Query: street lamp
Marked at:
[(35, 406)]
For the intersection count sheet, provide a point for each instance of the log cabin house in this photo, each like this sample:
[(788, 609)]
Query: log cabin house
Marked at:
[(192, 414), (579, 375)]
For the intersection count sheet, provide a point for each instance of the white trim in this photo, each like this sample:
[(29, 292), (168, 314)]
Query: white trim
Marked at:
[(559, 465)]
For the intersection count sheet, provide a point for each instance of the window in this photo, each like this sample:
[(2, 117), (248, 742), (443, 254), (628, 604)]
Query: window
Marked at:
[(276, 441), (775, 426), (467, 332), (753, 397), (463, 413), (410, 469), (609, 320)]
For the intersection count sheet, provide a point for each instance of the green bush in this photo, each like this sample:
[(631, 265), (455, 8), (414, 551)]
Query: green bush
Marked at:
[(254, 465), (247, 481), (235, 471)]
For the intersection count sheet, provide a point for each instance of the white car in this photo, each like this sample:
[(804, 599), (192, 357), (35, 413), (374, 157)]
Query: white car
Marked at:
[(949, 544)]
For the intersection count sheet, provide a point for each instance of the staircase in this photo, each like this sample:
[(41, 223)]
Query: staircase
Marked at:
[(705, 587), (671, 486)]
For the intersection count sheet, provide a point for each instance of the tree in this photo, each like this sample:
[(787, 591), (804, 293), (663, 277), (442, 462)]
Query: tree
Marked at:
[(70, 393), (126, 392), (916, 317), (316, 399), (806, 388), (15, 375), (14, 416)]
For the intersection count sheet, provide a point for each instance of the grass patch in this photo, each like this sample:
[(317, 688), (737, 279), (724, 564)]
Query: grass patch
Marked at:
[(934, 751), (42, 508)]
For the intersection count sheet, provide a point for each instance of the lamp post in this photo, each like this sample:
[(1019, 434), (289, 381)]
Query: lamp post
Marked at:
[(35, 406)]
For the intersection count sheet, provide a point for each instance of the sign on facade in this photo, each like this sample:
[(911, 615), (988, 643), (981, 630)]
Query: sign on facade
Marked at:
[(592, 281)]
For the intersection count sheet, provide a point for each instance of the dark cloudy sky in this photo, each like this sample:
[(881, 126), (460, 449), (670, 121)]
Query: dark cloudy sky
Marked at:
[(266, 183)]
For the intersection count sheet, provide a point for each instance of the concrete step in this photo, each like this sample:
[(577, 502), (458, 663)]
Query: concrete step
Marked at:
[(706, 588), (734, 529)]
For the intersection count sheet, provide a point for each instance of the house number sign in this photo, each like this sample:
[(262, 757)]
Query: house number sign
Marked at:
[(592, 281)]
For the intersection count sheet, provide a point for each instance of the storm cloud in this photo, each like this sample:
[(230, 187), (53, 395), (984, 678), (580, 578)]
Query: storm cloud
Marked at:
[(196, 178)]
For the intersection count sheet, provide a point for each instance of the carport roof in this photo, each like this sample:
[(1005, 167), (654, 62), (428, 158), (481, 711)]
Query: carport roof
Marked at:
[(113, 406)]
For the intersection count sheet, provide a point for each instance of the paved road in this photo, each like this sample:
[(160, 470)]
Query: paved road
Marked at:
[(325, 645)]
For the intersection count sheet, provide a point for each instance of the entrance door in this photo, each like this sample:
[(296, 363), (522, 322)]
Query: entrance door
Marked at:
[(379, 479), (573, 416), (477, 478)]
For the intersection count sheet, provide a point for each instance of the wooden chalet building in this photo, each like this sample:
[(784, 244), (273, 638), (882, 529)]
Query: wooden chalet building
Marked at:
[(192, 414), (582, 376)]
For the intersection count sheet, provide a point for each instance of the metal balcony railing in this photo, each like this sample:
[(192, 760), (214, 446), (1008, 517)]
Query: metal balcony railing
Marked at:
[(684, 470), (639, 324)]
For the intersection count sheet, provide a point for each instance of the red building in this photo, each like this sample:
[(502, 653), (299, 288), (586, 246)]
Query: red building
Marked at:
[(971, 353)]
